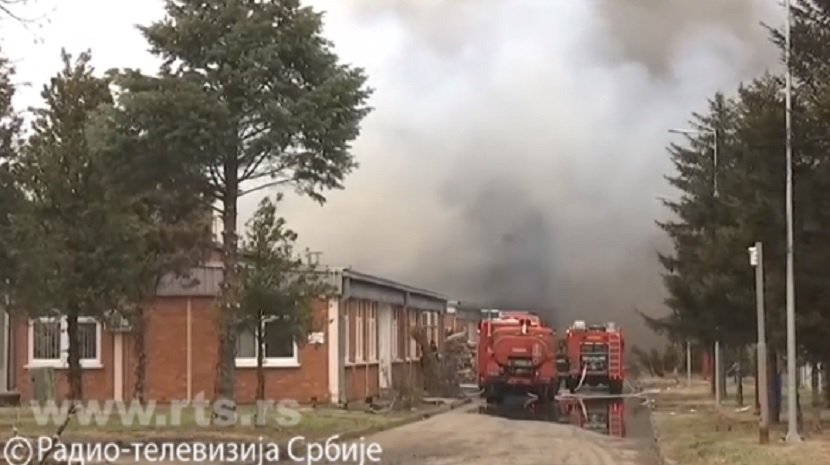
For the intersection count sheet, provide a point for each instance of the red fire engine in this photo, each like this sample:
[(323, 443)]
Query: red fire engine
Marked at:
[(595, 356), (516, 353)]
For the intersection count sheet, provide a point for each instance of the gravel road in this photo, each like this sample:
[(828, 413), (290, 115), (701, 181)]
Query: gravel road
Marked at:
[(465, 437)]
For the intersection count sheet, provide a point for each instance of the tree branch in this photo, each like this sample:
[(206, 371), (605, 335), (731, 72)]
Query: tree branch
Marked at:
[(253, 166), (264, 186), (4, 8), (215, 176)]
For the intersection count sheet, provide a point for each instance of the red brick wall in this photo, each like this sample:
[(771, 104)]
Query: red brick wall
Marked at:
[(362, 382), (166, 357)]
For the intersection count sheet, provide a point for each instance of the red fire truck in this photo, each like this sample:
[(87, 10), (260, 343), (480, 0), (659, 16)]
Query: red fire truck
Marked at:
[(516, 353), (595, 356)]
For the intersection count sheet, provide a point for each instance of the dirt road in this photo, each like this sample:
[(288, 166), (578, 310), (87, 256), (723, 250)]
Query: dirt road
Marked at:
[(465, 437)]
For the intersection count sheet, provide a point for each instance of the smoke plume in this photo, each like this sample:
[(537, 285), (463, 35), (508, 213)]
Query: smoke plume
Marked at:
[(516, 148)]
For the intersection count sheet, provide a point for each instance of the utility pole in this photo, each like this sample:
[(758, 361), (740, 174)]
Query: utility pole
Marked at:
[(756, 259), (792, 388)]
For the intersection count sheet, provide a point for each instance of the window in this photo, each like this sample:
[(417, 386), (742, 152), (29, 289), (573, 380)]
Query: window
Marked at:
[(433, 327), (49, 342), (373, 333), (396, 349), (279, 351), (413, 346), (347, 332)]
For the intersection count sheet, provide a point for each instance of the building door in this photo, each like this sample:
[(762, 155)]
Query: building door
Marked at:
[(385, 348)]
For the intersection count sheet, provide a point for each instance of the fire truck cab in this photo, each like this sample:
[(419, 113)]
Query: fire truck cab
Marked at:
[(595, 356)]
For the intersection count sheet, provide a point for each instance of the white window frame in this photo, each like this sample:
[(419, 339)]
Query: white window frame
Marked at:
[(270, 362), (373, 334), (395, 330), (63, 361), (413, 318), (359, 354), (347, 332)]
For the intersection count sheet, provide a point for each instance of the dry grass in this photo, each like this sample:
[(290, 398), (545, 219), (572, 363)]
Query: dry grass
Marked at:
[(312, 423), (693, 432)]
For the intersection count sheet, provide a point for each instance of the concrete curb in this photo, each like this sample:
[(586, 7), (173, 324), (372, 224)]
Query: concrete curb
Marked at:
[(346, 436)]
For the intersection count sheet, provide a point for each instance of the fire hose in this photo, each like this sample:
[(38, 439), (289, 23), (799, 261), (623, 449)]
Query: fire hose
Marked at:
[(531, 399), (582, 378)]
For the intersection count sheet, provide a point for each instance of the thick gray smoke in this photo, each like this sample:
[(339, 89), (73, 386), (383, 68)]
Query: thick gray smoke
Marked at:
[(517, 147)]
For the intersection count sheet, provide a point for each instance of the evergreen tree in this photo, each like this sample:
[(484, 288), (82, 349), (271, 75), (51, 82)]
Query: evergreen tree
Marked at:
[(253, 95), (75, 236), (167, 203), (694, 278), (277, 289), (11, 198)]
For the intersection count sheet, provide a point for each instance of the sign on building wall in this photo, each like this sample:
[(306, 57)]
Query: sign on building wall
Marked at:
[(318, 337)]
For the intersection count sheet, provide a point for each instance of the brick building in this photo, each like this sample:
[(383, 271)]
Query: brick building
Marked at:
[(359, 345)]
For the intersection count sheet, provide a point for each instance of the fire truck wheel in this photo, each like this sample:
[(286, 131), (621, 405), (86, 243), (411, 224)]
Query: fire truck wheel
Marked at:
[(494, 399), (551, 391), (615, 387), (570, 384), (492, 395)]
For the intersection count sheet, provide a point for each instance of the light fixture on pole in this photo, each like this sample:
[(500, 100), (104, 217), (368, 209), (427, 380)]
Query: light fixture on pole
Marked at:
[(792, 389), (714, 133)]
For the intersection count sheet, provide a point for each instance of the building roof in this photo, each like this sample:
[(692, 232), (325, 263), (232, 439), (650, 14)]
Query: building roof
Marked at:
[(205, 281)]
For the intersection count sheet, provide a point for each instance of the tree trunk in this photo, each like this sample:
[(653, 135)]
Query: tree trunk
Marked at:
[(140, 351), (260, 373), (76, 390), (740, 381), (799, 412), (814, 385), (225, 372), (723, 370), (774, 388), (826, 379), (260, 361), (711, 368), (815, 390)]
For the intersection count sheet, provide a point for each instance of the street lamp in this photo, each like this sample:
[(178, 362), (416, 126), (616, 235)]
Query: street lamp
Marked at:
[(792, 425), (714, 133)]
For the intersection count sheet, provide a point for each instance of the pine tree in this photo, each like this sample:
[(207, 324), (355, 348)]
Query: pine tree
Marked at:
[(277, 289), (252, 94), (75, 237), (11, 198)]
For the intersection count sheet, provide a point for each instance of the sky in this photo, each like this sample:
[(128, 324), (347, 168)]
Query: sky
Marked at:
[(515, 150)]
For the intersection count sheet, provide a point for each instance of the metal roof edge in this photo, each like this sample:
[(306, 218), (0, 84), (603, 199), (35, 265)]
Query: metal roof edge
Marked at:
[(365, 277)]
